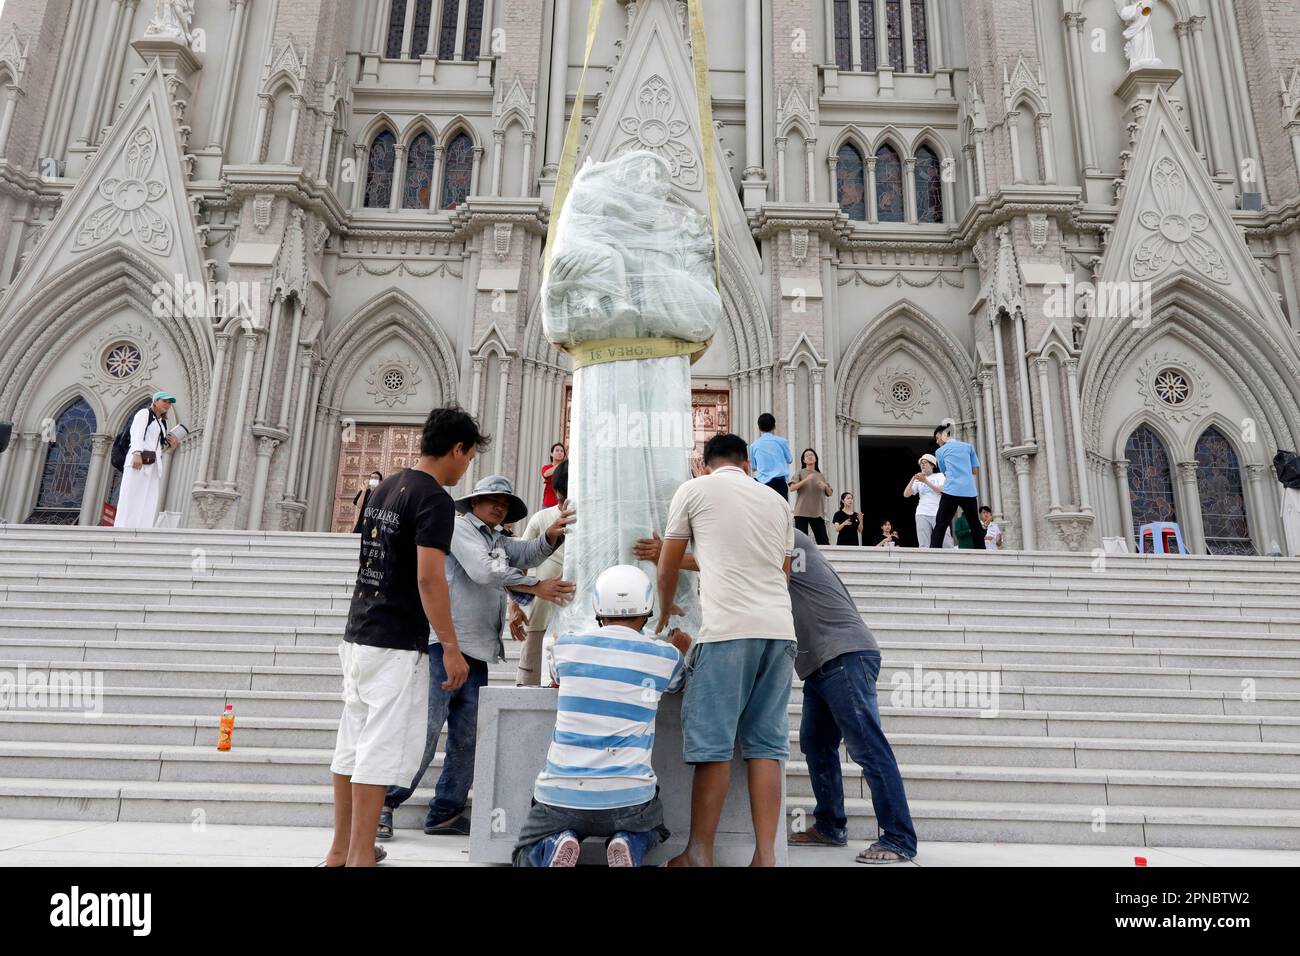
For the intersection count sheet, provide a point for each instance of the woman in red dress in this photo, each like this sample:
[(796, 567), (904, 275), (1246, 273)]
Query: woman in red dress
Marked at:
[(548, 495)]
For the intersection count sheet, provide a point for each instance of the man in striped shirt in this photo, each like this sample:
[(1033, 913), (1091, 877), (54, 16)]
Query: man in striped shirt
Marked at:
[(598, 781)]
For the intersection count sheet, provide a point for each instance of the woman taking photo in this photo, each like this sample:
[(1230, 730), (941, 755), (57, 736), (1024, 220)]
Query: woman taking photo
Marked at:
[(548, 493), (811, 489), (363, 496), (928, 484), (847, 522)]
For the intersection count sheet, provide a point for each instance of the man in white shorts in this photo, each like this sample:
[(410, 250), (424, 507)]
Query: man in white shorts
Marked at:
[(401, 591), (927, 484)]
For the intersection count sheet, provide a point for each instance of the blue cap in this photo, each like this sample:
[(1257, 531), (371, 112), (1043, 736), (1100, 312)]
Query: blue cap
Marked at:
[(165, 397)]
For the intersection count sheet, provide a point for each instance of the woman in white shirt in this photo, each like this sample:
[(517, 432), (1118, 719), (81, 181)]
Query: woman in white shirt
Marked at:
[(928, 484)]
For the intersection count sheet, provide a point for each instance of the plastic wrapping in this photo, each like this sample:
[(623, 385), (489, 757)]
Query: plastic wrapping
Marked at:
[(627, 263)]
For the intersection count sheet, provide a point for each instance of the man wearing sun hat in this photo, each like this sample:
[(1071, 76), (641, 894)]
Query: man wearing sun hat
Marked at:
[(482, 566), (137, 500)]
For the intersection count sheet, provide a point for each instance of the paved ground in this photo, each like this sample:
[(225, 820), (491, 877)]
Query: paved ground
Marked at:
[(71, 843)]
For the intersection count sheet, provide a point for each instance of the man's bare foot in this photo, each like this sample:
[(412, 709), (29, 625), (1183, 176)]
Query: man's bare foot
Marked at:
[(688, 858), (876, 853)]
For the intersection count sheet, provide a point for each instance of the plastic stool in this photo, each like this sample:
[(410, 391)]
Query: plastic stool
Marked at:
[(1160, 533)]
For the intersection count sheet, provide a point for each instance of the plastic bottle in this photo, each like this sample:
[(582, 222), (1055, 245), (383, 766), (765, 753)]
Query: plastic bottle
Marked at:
[(227, 728)]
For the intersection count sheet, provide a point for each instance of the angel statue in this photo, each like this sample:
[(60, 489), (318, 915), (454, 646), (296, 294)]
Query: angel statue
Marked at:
[(1141, 46), (171, 18)]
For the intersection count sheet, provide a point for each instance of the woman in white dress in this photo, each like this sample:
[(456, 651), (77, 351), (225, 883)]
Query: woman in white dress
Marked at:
[(137, 501), (928, 484)]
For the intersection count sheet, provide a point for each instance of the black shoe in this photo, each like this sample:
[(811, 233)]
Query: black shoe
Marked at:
[(456, 826)]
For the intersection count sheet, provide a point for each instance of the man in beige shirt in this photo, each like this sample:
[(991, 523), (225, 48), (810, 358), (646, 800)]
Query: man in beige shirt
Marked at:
[(740, 670), (529, 624)]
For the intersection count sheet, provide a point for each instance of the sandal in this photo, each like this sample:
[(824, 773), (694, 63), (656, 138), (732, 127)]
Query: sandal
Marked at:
[(879, 853), (385, 829), (380, 855), (813, 837)]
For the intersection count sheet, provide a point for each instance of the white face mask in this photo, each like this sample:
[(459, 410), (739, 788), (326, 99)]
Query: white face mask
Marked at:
[(374, 482)]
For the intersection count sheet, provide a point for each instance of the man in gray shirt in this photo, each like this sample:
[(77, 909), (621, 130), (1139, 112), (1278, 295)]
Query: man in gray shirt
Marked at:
[(838, 661)]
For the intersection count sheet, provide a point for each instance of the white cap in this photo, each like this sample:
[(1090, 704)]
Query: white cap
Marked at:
[(623, 591)]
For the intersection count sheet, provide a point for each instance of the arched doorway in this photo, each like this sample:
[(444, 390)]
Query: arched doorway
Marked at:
[(67, 464), (1150, 479), (1223, 500)]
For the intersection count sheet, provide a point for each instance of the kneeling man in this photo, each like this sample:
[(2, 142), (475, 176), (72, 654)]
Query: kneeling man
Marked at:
[(598, 781)]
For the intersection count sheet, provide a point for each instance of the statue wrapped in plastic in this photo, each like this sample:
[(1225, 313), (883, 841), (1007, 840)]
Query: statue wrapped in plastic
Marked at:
[(631, 271)]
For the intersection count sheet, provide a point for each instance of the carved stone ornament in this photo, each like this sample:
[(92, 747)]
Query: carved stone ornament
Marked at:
[(902, 393), (131, 199), (1173, 388), (799, 245), (501, 234), (393, 380), (120, 360), (262, 212), (658, 126), (1176, 227)]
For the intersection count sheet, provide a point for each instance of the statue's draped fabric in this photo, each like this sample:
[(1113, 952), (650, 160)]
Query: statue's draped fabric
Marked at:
[(630, 263)]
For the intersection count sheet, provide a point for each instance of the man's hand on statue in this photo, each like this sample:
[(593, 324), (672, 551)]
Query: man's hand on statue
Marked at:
[(560, 525), (647, 549), (556, 590), (679, 639)]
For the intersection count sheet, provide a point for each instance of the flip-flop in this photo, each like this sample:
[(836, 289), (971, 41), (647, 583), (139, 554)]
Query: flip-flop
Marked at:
[(380, 855), (880, 848)]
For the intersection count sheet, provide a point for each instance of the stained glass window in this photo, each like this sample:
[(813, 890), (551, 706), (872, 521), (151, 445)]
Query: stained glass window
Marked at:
[(473, 29), (457, 172), (67, 463), (1223, 503), (420, 28), (867, 34), (396, 27), (418, 187), (929, 186), (920, 38), (1150, 479), (894, 32), (851, 186), (843, 35), (889, 185), (447, 30), (379, 172)]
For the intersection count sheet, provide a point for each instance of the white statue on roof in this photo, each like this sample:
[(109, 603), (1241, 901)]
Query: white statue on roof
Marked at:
[(1141, 46)]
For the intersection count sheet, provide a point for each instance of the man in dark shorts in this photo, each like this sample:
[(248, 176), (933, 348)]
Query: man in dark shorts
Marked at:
[(401, 592)]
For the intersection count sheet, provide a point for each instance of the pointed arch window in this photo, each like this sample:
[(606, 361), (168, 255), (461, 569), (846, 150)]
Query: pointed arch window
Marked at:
[(894, 33), (867, 35), (418, 188), (1223, 501), (420, 28), (458, 170), (850, 182), (1150, 479), (920, 38), (473, 29), (929, 186), (889, 185), (67, 463), (843, 35), (396, 28), (380, 170), (447, 30)]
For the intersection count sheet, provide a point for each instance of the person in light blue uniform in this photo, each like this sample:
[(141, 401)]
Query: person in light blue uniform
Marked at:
[(770, 457), (598, 780), (960, 466)]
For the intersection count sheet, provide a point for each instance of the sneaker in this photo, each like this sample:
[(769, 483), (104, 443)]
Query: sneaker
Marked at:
[(622, 851), (564, 850), (385, 829)]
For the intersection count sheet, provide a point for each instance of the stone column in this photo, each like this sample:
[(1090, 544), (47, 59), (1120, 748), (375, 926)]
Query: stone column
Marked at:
[(1294, 129), (1264, 517), (558, 86), (92, 496), (1125, 502), (1207, 97), (1049, 433), (327, 148), (790, 410), (810, 167), (268, 358), (291, 141), (526, 176), (239, 395), (753, 89), (7, 118), (1194, 105), (1000, 359), (1045, 147), (229, 70), (909, 189), (981, 177), (399, 178), (360, 153), (1081, 113), (981, 438), (291, 362), (991, 445), (1028, 540), (88, 129), (1193, 531), (24, 453), (818, 378), (781, 142), (1013, 135), (503, 391), (259, 133), (435, 185), (498, 157), (299, 416), (214, 399), (832, 171), (1076, 432), (873, 213), (474, 171), (1022, 373), (265, 446)]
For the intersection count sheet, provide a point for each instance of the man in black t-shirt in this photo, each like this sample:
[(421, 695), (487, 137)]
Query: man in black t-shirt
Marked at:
[(401, 592)]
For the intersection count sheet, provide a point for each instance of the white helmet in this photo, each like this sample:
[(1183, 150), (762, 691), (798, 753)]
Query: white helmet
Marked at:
[(623, 591)]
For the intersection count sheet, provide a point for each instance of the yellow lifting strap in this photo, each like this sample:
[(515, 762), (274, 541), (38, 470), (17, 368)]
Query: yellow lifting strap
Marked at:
[(704, 105)]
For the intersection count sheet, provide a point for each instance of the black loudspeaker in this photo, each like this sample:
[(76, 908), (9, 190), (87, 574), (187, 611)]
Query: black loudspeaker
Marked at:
[(6, 429)]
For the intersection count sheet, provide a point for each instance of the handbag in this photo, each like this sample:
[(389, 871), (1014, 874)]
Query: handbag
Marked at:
[(148, 457)]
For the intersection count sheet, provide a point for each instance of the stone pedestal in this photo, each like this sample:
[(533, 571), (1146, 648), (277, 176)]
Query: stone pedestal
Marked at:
[(514, 731)]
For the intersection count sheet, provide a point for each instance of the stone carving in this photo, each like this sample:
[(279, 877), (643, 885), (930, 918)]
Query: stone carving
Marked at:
[(171, 18), (501, 234), (1038, 232), (1176, 230), (799, 245), (213, 507), (1073, 527), (262, 211), (659, 128), (1173, 388), (130, 199), (1141, 46), (393, 380), (120, 360), (902, 393)]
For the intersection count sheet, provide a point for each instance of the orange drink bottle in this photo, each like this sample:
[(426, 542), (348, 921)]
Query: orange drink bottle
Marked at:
[(227, 728)]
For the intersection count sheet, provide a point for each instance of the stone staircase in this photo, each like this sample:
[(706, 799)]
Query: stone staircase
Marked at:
[(1146, 701)]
